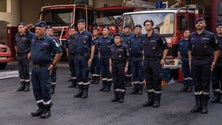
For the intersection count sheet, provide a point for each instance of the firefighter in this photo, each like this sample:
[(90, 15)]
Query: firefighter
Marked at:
[(183, 57), (156, 30), (126, 36), (119, 61), (202, 46), (71, 55), (22, 48), (95, 66), (135, 49), (217, 71), (49, 32), (155, 51), (84, 49), (42, 47), (104, 51)]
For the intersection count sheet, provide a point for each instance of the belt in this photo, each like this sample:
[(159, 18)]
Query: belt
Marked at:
[(219, 60), (119, 61), (82, 54), (185, 56), (136, 55), (41, 65), (201, 57), (71, 54), (152, 58), (104, 54), (21, 54)]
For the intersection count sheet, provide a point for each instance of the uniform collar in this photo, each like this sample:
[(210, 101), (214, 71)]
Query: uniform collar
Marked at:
[(151, 34), (204, 32), (138, 35), (44, 37), (118, 45), (82, 32)]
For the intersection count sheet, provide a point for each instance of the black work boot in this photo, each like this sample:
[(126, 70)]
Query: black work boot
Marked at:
[(93, 80), (140, 89), (116, 97), (216, 97), (27, 86), (21, 87), (103, 86), (39, 110), (197, 107), (73, 83), (79, 94), (53, 88), (108, 86), (156, 103), (190, 88), (97, 80), (150, 100), (135, 89), (121, 97), (128, 81), (204, 103), (185, 88), (85, 93), (46, 113)]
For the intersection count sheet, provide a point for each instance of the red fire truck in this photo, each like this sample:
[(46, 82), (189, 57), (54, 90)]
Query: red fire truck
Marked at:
[(112, 15), (60, 17), (172, 23)]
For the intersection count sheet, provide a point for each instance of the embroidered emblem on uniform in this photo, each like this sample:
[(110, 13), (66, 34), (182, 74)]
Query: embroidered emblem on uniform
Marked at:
[(153, 47), (120, 56), (84, 41)]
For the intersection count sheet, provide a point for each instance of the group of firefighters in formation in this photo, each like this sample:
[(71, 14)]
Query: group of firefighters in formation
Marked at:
[(119, 59)]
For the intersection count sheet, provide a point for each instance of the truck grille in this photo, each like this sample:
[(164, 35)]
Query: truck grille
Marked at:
[(58, 33)]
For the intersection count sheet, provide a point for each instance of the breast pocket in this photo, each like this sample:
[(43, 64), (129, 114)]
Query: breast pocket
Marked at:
[(85, 40), (154, 45), (120, 53), (45, 47)]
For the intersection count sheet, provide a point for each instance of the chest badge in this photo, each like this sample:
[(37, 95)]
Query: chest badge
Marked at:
[(153, 47), (84, 42), (120, 56)]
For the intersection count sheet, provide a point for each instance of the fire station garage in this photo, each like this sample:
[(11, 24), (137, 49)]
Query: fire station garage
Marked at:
[(14, 11)]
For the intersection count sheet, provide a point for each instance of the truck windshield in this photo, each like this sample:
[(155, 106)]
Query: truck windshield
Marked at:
[(165, 21), (108, 20), (57, 17)]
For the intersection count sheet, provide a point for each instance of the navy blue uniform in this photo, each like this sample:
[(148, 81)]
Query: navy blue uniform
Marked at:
[(127, 41), (95, 66), (217, 75), (119, 56), (104, 50), (201, 47), (183, 49), (23, 45), (82, 50), (41, 56), (71, 59), (53, 73), (136, 48), (153, 47)]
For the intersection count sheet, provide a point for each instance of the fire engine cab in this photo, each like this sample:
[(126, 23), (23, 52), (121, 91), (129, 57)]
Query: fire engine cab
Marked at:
[(172, 23), (112, 15), (60, 17)]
